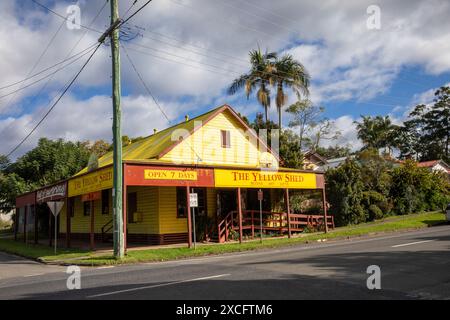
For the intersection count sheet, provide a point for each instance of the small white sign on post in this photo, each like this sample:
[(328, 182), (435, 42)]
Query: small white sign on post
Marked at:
[(55, 208), (193, 203), (193, 200)]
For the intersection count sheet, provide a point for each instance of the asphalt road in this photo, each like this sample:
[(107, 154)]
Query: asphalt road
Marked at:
[(414, 265)]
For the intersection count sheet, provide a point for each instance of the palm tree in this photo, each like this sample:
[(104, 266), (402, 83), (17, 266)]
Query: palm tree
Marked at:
[(260, 76), (376, 132), (289, 73)]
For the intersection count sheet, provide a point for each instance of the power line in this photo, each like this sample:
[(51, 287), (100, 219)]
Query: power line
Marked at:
[(192, 45), (144, 84), (134, 13), (279, 75), (55, 103), (8, 104), (185, 58), (76, 76), (46, 69), (270, 35), (67, 56), (179, 62), (46, 76), (154, 99), (129, 8), (196, 52)]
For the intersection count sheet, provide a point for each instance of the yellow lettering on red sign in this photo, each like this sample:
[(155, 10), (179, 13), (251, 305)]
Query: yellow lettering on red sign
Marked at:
[(170, 175), (95, 181), (264, 179)]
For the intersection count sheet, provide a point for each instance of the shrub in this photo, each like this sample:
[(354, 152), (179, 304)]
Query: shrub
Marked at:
[(375, 212), (345, 192)]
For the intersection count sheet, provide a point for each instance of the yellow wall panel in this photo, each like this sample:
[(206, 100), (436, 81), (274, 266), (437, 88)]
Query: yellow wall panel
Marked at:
[(147, 205), (169, 223), (206, 144)]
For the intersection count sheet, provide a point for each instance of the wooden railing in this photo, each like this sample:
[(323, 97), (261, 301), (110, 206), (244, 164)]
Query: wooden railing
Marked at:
[(271, 221)]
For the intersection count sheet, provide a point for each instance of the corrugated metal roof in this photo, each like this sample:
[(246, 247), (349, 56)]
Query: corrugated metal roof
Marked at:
[(152, 146)]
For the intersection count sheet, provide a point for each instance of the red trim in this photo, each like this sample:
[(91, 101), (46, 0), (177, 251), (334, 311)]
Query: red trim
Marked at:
[(134, 175), (288, 211), (26, 199), (239, 207), (324, 202)]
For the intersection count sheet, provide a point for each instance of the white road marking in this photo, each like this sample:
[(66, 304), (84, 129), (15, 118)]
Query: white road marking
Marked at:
[(105, 267), (157, 285), (411, 243), (33, 275)]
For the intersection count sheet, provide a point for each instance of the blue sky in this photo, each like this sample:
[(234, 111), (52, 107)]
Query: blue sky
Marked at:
[(189, 51)]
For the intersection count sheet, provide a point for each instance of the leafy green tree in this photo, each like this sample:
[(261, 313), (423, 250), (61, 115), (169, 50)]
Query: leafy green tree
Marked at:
[(290, 151), (312, 127), (416, 189), (305, 116), (4, 162), (426, 133), (11, 185), (376, 132), (258, 78), (50, 161), (344, 187), (289, 73), (375, 174), (335, 151), (98, 147), (289, 148)]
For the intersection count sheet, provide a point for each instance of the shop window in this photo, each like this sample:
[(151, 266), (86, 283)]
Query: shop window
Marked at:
[(181, 202), (105, 201), (132, 206), (87, 208), (225, 138)]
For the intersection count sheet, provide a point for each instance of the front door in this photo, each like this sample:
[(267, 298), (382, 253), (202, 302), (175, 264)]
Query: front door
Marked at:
[(226, 202)]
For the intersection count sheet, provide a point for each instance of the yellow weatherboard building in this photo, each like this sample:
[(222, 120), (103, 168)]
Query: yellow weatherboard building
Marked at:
[(216, 156)]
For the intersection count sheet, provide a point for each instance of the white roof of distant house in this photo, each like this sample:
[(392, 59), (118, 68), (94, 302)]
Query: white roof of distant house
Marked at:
[(335, 162), (435, 165)]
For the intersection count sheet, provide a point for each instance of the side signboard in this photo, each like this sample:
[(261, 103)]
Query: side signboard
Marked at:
[(91, 182), (55, 192)]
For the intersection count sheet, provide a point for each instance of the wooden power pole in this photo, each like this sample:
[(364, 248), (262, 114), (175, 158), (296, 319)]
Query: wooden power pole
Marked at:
[(118, 237)]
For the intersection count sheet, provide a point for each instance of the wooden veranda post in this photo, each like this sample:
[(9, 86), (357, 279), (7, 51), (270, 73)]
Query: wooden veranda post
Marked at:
[(68, 217), (36, 236), (288, 211), (324, 202), (239, 207), (92, 242), (16, 222), (50, 214), (189, 221), (25, 224)]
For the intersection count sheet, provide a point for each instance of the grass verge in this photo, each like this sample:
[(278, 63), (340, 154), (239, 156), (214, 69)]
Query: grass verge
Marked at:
[(39, 251), (79, 257)]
